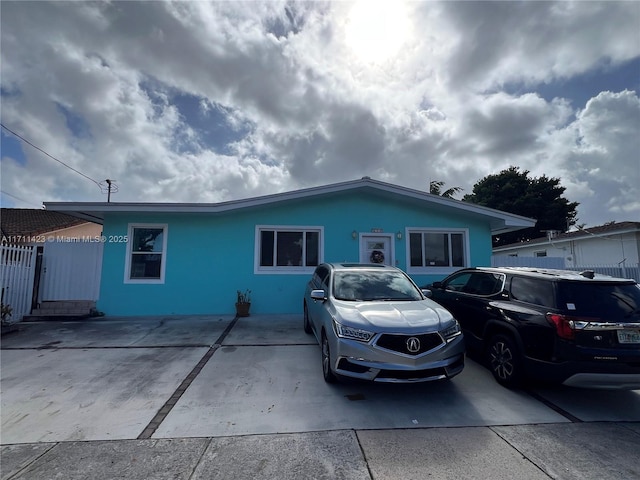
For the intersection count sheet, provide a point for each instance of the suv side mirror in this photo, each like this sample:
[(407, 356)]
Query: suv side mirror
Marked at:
[(436, 285), (427, 293)]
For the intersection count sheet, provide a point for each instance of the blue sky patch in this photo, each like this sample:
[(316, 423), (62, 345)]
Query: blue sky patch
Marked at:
[(581, 88), (12, 147), (75, 123), (209, 120)]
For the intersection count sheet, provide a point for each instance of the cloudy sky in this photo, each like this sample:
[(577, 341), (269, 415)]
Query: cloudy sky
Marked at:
[(212, 101)]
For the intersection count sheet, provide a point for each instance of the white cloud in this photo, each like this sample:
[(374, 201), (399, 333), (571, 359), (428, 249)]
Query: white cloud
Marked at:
[(535, 42), (95, 84), (606, 156)]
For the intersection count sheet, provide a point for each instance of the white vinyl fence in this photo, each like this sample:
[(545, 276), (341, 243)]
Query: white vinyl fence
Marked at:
[(17, 267), (539, 262), (628, 271), (618, 270)]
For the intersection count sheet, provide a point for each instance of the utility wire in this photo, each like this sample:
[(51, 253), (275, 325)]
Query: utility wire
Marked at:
[(20, 199), (50, 156)]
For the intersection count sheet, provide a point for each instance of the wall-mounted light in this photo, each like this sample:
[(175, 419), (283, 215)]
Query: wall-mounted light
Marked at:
[(354, 234), (399, 235)]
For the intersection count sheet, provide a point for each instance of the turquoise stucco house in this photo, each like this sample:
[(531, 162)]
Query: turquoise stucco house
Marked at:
[(192, 258)]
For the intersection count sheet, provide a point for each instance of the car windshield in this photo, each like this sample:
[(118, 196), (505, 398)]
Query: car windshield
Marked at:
[(619, 302), (367, 286)]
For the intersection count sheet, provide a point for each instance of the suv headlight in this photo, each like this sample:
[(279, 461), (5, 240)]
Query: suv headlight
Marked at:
[(353, 333), (452, 331)]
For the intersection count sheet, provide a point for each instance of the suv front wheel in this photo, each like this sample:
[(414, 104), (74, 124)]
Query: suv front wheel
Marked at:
[(505, 360)]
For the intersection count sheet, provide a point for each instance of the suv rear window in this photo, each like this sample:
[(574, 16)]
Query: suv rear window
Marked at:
[(605, 301), (533, 290)]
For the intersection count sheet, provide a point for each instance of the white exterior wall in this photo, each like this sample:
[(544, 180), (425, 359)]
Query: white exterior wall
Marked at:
[(606, 250), (609, 250)]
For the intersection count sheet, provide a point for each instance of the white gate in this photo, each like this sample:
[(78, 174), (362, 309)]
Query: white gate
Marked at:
[(17, 267), (71, 271)]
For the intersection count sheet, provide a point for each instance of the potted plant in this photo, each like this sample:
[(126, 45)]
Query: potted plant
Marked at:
[(243, 303)]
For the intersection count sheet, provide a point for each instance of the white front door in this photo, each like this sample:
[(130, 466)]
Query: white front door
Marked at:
[(376, 248)]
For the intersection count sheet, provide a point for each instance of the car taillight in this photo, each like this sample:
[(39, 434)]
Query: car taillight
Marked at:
[(564, 325)]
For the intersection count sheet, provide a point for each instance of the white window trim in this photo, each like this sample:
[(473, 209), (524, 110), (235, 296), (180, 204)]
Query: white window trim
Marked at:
[(436, 270), (127, 263), (259, 270)]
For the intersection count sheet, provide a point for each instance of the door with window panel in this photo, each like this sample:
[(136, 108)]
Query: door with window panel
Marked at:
[(375, 249)]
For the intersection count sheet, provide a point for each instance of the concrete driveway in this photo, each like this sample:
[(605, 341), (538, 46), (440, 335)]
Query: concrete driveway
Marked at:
[(218, 397)]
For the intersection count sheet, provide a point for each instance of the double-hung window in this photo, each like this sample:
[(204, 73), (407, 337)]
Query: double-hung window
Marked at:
[(285, 249), (147, 252), (437, 250)]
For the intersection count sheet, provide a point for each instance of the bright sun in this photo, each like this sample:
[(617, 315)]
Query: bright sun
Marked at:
[(376, 29)]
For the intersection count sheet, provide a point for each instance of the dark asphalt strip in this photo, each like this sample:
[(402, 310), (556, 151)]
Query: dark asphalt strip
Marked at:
[(553, 406), (173, 399), (107, 347)]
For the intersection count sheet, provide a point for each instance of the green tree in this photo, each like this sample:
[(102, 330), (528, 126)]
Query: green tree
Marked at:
[(435, 188), (540, 198)]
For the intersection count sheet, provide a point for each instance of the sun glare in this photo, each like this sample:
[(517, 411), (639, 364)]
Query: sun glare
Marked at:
[(376, 29)]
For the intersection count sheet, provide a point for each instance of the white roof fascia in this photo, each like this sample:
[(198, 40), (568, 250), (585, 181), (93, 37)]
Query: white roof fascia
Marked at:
[(94, 211), (622, 231), (544, 241), (531, 243)]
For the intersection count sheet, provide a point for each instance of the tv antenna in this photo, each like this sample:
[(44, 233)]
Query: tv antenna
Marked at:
[(109, 186)]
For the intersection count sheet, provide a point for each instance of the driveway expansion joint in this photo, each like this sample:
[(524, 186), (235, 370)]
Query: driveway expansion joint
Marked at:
[(160, 416)]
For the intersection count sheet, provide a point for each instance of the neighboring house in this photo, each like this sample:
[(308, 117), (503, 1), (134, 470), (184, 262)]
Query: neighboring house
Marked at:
[(50, 262), (615, 244), (191, 258), (27, 226)]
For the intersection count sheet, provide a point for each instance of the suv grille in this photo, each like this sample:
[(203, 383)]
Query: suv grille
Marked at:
[(398, 343)]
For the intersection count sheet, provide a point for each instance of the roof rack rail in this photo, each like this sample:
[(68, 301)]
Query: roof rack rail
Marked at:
[(588, 274)]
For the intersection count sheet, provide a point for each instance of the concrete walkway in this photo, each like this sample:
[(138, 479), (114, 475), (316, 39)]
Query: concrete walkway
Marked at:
[(217, 397)]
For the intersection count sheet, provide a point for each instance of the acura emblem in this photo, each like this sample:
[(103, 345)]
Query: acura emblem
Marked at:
[(413, 345)]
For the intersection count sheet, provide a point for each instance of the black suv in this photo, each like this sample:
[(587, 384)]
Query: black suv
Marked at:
[(580, 329)]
